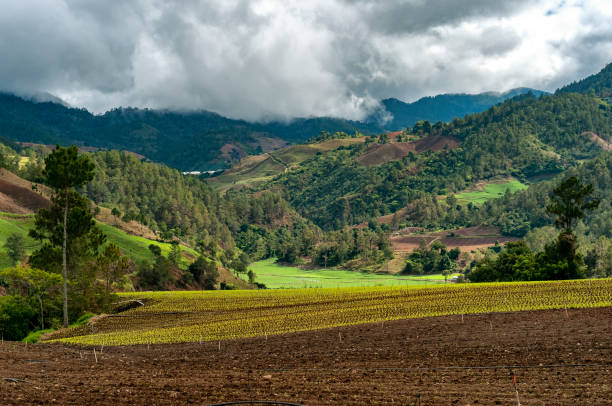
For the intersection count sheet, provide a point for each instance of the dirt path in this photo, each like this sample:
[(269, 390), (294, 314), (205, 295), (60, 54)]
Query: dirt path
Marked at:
[(559, 358)]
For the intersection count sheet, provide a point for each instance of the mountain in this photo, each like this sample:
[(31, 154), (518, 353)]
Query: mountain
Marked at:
[(204, 140), (444, 107), (599, 83), (526, 138)]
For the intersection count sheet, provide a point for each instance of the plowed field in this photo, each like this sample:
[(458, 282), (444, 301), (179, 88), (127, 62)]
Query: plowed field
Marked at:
[(558, 357)]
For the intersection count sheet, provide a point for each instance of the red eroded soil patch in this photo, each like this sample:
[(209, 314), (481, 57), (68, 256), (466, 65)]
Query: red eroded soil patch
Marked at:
[(381, 153), (558, 358), (605, 145), (435, 143)]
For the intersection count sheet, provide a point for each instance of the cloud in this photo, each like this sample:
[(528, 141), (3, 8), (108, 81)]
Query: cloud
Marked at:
[(271, 59)]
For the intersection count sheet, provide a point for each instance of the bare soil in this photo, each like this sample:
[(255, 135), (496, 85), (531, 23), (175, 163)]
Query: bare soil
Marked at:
[(605, 145), (466, 239), (558, 358), (20, 200), (381, 153)]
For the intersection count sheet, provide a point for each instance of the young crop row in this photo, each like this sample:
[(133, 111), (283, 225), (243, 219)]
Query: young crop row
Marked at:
[(171, 317)]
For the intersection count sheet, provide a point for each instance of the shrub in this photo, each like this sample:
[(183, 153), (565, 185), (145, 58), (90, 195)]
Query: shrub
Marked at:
[(16, 317)]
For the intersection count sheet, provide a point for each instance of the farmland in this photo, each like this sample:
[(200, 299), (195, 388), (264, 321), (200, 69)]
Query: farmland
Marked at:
[(489, 191), (276, 276), (559, 357), (174, 317)]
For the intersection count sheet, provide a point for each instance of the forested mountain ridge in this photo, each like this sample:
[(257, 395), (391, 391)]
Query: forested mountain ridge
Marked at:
[(599, 83), (204, 140), (524, 137), (445, 107)]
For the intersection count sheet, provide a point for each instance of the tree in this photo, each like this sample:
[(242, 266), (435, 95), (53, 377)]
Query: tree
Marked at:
[(155, 250), (34, 284), (15, 247), (205, 272), (65, 170), (568, 202), (117, 214), (112, 267), (175, 253)]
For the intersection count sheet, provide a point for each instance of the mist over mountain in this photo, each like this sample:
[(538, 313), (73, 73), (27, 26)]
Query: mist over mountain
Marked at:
[(202, 140)]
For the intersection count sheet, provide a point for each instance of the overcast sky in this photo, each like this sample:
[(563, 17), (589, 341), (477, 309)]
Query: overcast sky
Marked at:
[(267, 59)]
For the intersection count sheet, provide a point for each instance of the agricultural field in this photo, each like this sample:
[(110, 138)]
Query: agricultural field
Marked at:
[(467, 239), (489, 191), (558, 357), (277, 276), (192, 316)]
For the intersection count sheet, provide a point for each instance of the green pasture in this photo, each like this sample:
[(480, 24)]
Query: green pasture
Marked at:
[(136, 248), (276, 276), (490, 191)]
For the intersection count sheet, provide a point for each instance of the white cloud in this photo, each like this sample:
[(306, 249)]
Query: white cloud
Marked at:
[(265, 59)]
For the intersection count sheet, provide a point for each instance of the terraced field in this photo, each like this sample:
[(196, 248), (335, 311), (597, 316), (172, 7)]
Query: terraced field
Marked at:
[(175, 317)]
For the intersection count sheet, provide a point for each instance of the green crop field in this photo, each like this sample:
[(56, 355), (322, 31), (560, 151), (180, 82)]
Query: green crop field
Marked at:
[(276, 276), (192, 316), (490, 191)]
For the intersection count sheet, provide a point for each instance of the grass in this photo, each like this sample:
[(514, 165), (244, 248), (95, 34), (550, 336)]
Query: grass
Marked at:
[(15, 224), (136, 248), (490, 191), (276, 276), (34, 336)]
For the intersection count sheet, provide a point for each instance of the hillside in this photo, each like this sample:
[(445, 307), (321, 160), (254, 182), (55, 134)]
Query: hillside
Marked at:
[(346, 183), (599, 83), (445, 107), (17, 217), (203, 140)]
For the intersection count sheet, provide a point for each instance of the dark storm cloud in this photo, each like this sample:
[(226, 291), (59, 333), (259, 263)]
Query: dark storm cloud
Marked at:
[(413, 16), (265, 59)]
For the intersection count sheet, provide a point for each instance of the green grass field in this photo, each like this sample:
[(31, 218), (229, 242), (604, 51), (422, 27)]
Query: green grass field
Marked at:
[(136, 248), (15, 224), (490, 191), (276, 276)]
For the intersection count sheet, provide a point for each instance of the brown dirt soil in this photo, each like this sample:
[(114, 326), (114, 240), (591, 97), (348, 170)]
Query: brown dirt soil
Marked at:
[(19, 199), (229, 150), (467, 239), (268, 143), (381, 153), (558, 358)]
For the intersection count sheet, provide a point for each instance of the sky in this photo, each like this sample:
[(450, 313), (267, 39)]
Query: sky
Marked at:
[(264, 60)]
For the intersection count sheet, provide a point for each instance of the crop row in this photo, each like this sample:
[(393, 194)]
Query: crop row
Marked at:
[(171, 317)]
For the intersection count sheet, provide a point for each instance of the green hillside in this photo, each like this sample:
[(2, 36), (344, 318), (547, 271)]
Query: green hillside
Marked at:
[(134, 247)]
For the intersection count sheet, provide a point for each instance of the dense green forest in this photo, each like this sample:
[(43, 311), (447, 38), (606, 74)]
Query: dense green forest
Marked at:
[(525, 137), (599, 83), (194, 140), (443, 107)]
